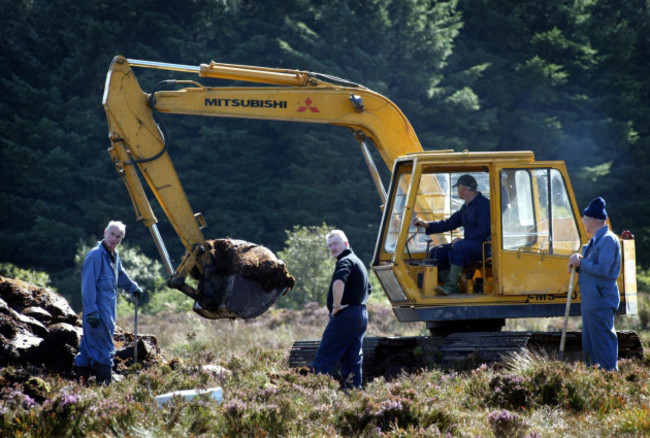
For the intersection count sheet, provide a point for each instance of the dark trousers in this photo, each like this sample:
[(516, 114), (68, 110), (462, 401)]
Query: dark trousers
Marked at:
[(462, 253), (102, 373), (342, 341)]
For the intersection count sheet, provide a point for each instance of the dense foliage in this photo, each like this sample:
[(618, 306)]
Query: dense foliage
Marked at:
[(567, 79)]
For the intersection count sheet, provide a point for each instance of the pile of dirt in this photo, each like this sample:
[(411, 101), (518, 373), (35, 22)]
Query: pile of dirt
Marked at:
[(40, 331), (251, 261), (242, 281)]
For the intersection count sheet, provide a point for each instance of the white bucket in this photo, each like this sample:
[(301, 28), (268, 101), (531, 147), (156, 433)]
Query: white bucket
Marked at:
[(189, 394)]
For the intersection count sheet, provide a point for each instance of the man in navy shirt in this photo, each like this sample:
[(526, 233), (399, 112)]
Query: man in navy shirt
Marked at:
[(346, 301), (474, 217)]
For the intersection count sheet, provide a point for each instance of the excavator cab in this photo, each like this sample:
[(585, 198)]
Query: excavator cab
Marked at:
[(535, 227)]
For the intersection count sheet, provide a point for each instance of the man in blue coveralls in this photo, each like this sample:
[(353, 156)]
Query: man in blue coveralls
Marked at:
[(102, 273), (474, 217), (599, 266), (346, 301)]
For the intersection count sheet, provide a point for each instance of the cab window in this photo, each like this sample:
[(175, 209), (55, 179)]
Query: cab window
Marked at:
[(436, 199), (536, 211)]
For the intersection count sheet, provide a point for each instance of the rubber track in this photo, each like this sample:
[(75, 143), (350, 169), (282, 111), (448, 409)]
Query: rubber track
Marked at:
[(389, 357)]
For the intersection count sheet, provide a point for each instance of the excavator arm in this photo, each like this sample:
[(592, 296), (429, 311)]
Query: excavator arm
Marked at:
[(139, 143)]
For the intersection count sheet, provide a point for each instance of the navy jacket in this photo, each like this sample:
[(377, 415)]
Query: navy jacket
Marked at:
[(351, 271), (474, 217)]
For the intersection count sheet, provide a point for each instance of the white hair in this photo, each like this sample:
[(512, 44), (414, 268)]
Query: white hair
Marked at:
[(117, 224), (337, 233)]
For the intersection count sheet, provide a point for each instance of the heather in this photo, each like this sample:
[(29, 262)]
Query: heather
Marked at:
[(526, 395)]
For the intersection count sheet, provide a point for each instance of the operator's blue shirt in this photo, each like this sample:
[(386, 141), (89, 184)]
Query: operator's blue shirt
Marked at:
[(101, 275), (473, 216)]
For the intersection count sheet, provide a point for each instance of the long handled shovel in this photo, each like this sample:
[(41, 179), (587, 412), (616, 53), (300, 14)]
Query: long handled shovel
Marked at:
[(135, 333), (567, 310)]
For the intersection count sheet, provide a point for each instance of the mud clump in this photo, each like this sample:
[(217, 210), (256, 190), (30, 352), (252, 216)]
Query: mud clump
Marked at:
[(251, 261), (40, 332), (242, 280)]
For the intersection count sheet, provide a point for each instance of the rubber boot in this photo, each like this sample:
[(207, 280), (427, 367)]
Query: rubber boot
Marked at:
[(451, 285), (442, 276)]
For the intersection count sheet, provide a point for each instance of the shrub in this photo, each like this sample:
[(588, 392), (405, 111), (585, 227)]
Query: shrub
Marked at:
[(510, 392), (507, 424), (636, 421), (37, 278)]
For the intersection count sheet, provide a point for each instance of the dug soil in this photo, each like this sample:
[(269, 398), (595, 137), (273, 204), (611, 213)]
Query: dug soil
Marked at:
[(41, 333)]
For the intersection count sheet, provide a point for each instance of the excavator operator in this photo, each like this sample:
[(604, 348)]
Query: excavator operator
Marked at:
[(474, 217)]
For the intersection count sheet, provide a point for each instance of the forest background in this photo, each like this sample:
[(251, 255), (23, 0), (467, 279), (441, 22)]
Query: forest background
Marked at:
[(566, 79)]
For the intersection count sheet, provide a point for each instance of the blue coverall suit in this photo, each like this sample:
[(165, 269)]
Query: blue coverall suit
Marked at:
[(474, 217), (101, 275), (598, 272), (343, 337)]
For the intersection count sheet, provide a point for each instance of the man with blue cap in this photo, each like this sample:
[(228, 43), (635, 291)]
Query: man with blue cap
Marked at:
[(598, 266)]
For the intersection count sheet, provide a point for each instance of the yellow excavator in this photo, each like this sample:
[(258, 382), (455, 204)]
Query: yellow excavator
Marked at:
[(535, 222)]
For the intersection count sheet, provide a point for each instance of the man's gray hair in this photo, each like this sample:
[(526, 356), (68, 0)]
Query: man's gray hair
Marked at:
[(337, 233), (117, 224)]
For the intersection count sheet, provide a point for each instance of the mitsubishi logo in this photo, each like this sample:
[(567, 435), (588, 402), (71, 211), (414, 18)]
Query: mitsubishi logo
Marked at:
[(308, 102)]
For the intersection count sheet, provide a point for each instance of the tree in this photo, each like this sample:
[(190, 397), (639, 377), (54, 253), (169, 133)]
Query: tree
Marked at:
[(305, 254), (37, 278)]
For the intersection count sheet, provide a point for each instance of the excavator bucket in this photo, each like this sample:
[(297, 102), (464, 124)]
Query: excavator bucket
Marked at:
[(233, 296), (242, 281)]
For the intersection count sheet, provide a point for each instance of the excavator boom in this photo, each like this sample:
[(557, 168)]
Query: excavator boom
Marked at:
[(139, 148)]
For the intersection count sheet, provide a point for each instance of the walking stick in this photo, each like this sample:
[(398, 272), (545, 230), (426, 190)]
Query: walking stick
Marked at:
[(135, 333), (567, 310)]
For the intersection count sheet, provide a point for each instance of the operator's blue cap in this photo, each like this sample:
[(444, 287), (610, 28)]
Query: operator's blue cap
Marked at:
[(596, 209)]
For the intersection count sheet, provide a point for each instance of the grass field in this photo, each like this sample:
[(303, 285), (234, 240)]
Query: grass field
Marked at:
[(527, 396)]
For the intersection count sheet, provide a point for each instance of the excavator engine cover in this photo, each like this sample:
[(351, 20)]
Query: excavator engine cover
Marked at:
[(243, 280)]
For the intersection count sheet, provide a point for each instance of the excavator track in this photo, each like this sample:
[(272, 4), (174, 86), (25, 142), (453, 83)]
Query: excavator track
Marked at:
[(390, 357)]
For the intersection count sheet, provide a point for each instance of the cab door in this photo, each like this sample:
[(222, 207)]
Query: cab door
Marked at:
[(538, 229)]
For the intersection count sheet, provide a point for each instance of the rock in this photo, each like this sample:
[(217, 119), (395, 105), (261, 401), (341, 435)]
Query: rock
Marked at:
[(39, 330), (148, 350), (37, 388), (39, 313), (23, 341), (7, 325), (216, 370), (4, 307), (57, 306), (66, 333), (15, 293), (34, 325)]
